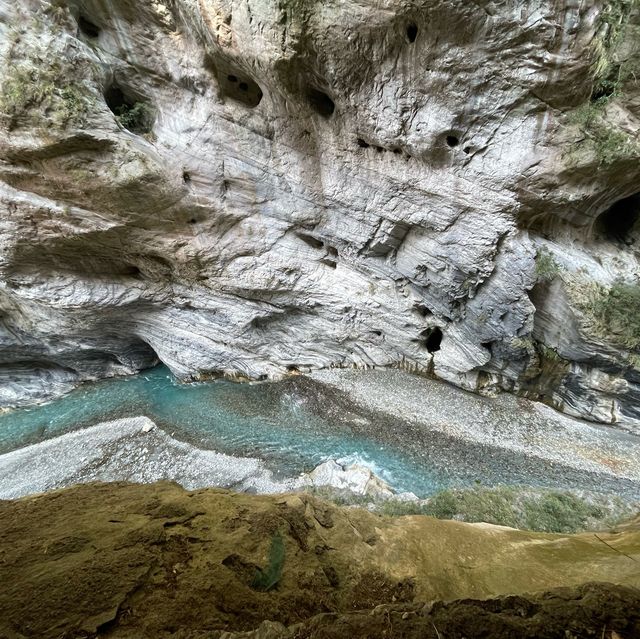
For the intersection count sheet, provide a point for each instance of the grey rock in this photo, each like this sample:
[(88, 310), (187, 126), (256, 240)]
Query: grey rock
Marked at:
[(308, 185)]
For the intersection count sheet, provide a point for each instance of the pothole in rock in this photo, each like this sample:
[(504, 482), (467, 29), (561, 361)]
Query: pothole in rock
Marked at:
[(241, 88), (132, 113), (320, 102), (432, 339)]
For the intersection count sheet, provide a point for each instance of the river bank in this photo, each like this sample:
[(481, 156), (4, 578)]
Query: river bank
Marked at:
[(417, 435)]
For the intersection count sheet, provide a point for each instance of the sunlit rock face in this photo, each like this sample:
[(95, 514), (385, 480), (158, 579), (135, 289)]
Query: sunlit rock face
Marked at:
[(252, 188)]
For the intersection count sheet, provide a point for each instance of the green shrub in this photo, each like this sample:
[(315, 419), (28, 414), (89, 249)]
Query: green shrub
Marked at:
[(268, 578), (607, 75), (518, 507), (137, 118), (607, 142), (560, 513), (491, 505), (547, 268), (42, 90), (612, 314), (527, 508), (396, 508), (548, 353), (610, 73)]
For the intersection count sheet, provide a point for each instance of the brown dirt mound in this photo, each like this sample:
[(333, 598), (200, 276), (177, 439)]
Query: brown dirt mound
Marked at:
[(588, 612), (124, 560)]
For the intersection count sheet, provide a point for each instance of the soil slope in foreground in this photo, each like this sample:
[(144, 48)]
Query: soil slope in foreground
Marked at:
[(124, 560)]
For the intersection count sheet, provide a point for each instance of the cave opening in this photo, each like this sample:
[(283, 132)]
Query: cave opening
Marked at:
[(363, 144), (433, 339), (607, 87), (134, 115), (241, 89), (186, 177), (412, 32), (320, 102), (88, 28), (617, 222), (453, 140)]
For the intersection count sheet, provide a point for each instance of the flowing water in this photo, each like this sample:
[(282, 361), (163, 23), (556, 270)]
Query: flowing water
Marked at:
[(293, 426)]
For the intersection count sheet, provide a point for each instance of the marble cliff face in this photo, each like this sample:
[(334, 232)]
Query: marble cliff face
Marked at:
[(255, 187)]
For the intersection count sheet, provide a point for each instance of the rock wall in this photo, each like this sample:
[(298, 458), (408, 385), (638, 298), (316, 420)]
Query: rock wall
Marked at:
[(251, 188)]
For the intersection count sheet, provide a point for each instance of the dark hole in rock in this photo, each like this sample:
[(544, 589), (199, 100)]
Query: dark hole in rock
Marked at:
[(132, 271), (132, 114), (397, 151), (433, 339), (292, 368), (193, 221), (617, 222), (88, 28), (453, 140), (311, 241), (242, 89), (412, 32), (467, 149), (330, 263), (186, 177), (379, 149), (362, 143), (486, 345), (378, 333), (423, 310), (607, 87), (331, 250), (320, 102)]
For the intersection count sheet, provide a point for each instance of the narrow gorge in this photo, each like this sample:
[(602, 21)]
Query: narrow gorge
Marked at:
[(384, 253)]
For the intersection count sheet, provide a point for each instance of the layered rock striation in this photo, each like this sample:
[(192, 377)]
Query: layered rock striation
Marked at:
[(250, 188)]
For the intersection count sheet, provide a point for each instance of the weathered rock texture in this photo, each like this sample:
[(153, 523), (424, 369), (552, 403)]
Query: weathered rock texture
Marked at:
[(246, 188)]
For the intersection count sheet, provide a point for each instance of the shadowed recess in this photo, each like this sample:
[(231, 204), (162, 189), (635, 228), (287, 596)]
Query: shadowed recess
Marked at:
[(88, 28), (320, 102), (619, 220), (134, 115)]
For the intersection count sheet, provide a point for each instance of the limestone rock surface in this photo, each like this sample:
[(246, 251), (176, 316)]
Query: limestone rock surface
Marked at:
[(250, 188)]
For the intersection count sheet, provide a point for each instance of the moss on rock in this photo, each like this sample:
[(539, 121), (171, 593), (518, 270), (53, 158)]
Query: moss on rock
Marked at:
[(611, 314)]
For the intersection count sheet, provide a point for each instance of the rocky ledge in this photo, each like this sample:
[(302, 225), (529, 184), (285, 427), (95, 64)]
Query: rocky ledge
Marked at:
[(248, 188), (125, 560)]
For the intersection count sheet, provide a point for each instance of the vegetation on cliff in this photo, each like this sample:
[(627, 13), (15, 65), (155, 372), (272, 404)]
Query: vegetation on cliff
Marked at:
[(517, 507), (612, 313)]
